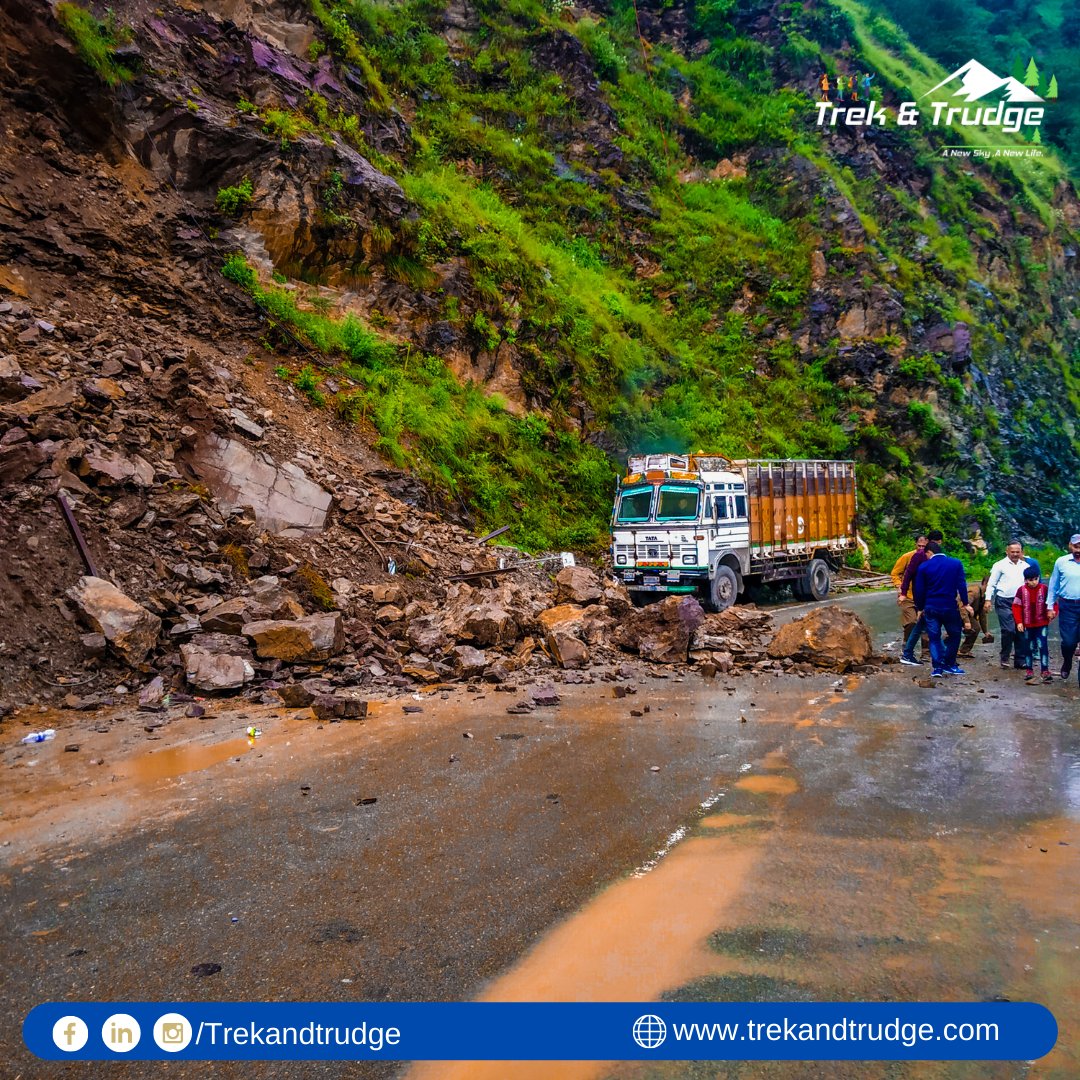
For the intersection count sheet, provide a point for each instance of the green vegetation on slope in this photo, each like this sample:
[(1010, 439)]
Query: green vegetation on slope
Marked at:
[(96, 41), (511, 469)]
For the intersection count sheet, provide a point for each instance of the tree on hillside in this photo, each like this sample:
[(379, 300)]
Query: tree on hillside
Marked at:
[(1031, 79), (1052, 89)]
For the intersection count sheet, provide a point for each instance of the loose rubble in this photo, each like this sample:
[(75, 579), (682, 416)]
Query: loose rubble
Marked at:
[(274, 580)]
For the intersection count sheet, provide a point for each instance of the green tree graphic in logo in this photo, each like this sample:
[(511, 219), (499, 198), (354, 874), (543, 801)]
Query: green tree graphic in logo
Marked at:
[(1031, 78), (1052, 90)]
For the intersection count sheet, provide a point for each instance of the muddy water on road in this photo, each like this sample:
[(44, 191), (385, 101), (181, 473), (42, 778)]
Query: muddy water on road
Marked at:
[(894, 844)]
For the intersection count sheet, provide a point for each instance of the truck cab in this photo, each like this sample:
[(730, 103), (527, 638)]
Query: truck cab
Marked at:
[(672, 525)]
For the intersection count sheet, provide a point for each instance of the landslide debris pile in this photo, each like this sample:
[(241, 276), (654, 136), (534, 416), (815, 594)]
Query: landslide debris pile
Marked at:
[(229, 559)]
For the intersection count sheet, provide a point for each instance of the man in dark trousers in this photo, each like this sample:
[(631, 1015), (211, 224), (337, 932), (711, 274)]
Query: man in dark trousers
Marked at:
[(907, 583), (939, 584)]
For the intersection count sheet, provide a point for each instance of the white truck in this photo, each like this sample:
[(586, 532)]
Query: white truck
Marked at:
[(704, 524)]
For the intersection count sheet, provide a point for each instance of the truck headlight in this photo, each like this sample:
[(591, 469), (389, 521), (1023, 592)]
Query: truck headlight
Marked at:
[(620, 559), (689, 559)]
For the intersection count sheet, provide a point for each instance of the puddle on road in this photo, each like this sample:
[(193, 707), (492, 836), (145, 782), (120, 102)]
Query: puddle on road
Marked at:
[(639, 938), (768, 785), (726, 821), (177, 761)]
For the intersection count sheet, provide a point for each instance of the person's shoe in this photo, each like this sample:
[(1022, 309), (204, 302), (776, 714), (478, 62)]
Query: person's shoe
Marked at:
[(988, 639), (966, 655), (1065, 669), (910, 661), (1005, 664), (936, 674), (1029, 676), (954, 670), (1047, 677)]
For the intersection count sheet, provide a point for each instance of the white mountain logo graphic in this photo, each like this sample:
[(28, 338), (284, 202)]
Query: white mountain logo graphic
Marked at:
[(977, 81)]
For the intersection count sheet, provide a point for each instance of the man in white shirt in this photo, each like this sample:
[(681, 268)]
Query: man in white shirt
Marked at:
[(1064, 598), (1006, 577)]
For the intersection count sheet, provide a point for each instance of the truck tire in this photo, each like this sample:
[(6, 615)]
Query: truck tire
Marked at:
[(723, 589), (817, 580), (798, 589)]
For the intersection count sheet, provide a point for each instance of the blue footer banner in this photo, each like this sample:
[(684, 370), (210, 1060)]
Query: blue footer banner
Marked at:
[(443, 1031)]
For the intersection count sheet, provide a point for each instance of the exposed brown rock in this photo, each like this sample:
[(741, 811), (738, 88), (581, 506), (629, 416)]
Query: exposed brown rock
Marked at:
[(314, 637), (578, 585), (128, 627), (215, 671), (662, 631), (831, 637)]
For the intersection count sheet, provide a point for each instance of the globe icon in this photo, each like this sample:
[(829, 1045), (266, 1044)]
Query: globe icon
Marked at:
[(649, 1031)]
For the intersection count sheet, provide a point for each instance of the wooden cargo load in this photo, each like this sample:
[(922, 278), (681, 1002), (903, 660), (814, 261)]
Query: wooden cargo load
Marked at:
[(800, 506)]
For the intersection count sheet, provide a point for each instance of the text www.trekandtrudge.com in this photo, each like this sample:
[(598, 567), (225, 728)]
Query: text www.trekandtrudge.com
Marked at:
[(849, 1031)]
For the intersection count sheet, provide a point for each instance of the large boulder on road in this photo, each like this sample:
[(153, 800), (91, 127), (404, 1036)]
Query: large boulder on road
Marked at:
[(127, 626), (830, 637), (662, 631)]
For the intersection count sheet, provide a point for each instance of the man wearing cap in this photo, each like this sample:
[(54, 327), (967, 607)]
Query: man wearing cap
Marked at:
[(1006, 578), (1063, 599)]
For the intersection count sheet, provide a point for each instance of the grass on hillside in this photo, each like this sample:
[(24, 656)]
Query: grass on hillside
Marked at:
[(96, 41), (658, 304), (549, 484)]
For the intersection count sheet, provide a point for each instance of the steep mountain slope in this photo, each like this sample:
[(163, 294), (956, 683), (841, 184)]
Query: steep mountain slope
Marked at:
[(504, 241)]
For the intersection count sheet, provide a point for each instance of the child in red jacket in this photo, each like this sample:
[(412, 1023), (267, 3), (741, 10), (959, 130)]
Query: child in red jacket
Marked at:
[(1032, 618)]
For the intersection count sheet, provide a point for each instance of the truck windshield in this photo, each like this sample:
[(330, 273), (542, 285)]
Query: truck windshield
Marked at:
[(634, 505), (677, 503)]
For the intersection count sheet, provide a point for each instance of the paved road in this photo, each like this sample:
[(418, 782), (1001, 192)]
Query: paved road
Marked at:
[(885, 842)]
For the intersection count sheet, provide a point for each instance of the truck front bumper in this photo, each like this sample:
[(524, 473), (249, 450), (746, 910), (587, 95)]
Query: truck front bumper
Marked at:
[(662, 579)]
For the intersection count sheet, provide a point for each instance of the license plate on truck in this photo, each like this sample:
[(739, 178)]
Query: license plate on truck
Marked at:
[(651, 579)]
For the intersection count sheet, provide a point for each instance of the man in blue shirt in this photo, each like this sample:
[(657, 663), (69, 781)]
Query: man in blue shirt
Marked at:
[(939, 583), (1064, 598)]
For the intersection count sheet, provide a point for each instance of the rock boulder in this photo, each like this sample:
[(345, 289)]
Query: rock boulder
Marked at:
[(128, 627), (314, 637), (829, 637), (577, 585), (215, 671), (662, 631)]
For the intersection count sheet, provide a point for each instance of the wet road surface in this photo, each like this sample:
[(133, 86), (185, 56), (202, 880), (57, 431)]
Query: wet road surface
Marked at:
[(856, 839)]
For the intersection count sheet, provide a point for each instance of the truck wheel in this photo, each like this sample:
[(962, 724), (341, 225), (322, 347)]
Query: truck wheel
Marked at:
[(798, 589), (817, 580), (723, 589)]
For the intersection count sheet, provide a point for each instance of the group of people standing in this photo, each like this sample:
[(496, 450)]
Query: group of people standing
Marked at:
[(848, 85), (935, 599)]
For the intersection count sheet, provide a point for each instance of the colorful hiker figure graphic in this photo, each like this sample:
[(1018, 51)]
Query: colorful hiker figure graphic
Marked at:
[(823, 82)]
